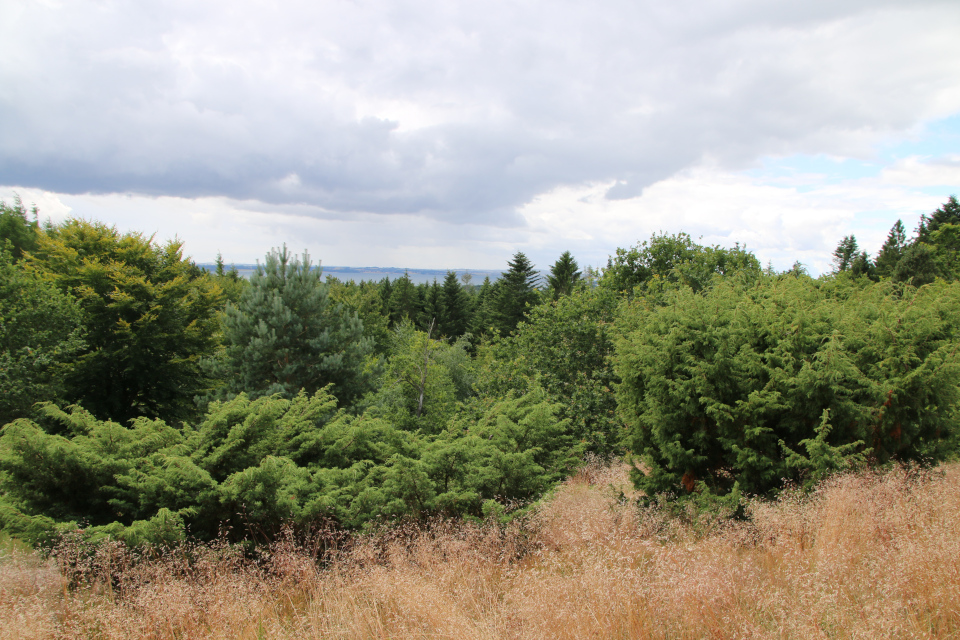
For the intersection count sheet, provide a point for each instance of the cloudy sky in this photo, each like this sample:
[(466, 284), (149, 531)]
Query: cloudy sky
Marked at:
[(452, 134)]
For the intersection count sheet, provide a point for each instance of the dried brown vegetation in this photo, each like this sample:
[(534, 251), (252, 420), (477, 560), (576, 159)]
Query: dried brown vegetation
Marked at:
[(865, 556)]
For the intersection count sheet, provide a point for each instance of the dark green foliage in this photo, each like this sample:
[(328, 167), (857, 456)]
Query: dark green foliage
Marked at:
[(433, 309), (948, 213), (918, 266), (285, 334), (485, 301), (845, 254), (457, 312), (666, 262), (892, 250), (848, 258), (516, 291), (405, 301), (150, 316), (564, 276), (565, 345), (718, 388), (17, 232), (41, 332)]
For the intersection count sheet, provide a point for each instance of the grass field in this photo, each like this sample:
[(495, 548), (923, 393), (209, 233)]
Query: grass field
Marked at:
[(866, 556)]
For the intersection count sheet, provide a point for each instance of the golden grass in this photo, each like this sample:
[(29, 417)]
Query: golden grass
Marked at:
[(866, 556)]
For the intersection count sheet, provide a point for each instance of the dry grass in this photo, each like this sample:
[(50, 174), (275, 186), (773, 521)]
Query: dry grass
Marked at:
[(866, 556)]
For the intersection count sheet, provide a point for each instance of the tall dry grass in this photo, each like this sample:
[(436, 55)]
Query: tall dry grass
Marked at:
[(865, 556)]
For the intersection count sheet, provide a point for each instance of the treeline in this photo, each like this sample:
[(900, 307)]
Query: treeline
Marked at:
[(147, 399)]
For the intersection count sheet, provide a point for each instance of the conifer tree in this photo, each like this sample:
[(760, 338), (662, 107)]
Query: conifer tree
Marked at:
[(845, 253), (404, 300), (285, 334), (564, 275), (16, 230), (482, 318), (433, 310), (457, 312), (892, 250), (948, 213), (517, 291)]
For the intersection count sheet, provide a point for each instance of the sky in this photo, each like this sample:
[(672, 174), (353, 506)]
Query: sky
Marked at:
[(454, 134)]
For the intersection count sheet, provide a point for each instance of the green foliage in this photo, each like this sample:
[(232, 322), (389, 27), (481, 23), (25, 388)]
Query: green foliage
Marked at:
[(713, 383), (150, 316), (256, 465), (40, 334), (285, 334), (566, 345), (423, 380), (824, 459), (665, 262), (892, 250), (564, 275), (948, 213), (365, 300), (17, 233), (457, 308), (516, 291)]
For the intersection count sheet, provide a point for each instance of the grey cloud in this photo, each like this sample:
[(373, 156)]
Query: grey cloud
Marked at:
[(460, 112)]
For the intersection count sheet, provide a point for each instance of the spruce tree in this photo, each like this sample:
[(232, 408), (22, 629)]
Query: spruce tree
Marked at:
[(432, 309), (457, 313), (285, 334), (845, 254), (892, 250), (517, 291), (949, 213), (564, 275), (404, 300)]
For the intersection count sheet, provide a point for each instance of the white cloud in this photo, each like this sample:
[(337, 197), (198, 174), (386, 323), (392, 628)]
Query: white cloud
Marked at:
[(452, 134)]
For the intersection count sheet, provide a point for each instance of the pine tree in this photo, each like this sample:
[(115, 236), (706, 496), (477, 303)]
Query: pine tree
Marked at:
[(892, 250), (517, 291), (564, 275), (285, 334)]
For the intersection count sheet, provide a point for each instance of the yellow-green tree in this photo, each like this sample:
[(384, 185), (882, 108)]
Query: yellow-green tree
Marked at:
[(149, 314)]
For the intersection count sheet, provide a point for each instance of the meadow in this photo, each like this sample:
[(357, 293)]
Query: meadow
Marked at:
[(865, 555)]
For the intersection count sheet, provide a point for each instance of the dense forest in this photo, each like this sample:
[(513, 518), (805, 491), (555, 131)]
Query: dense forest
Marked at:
[(147, 400)]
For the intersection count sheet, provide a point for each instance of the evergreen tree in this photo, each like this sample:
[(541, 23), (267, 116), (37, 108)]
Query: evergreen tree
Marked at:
[(433, 310), (404, 300), (918, 266), (517, 291), (385, 290), (16, 230), (457, 313), (845, 254), (482, 318), (892, 250), (948, 213), (285, 334), (564, 275)]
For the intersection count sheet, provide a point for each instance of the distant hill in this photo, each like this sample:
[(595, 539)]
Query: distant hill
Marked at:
[(379, 273)]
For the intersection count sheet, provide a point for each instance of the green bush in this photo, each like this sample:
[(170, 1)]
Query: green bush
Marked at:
[(721, 390)]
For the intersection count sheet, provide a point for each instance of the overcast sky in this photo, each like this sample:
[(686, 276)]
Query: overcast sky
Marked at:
[(452, 134)]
